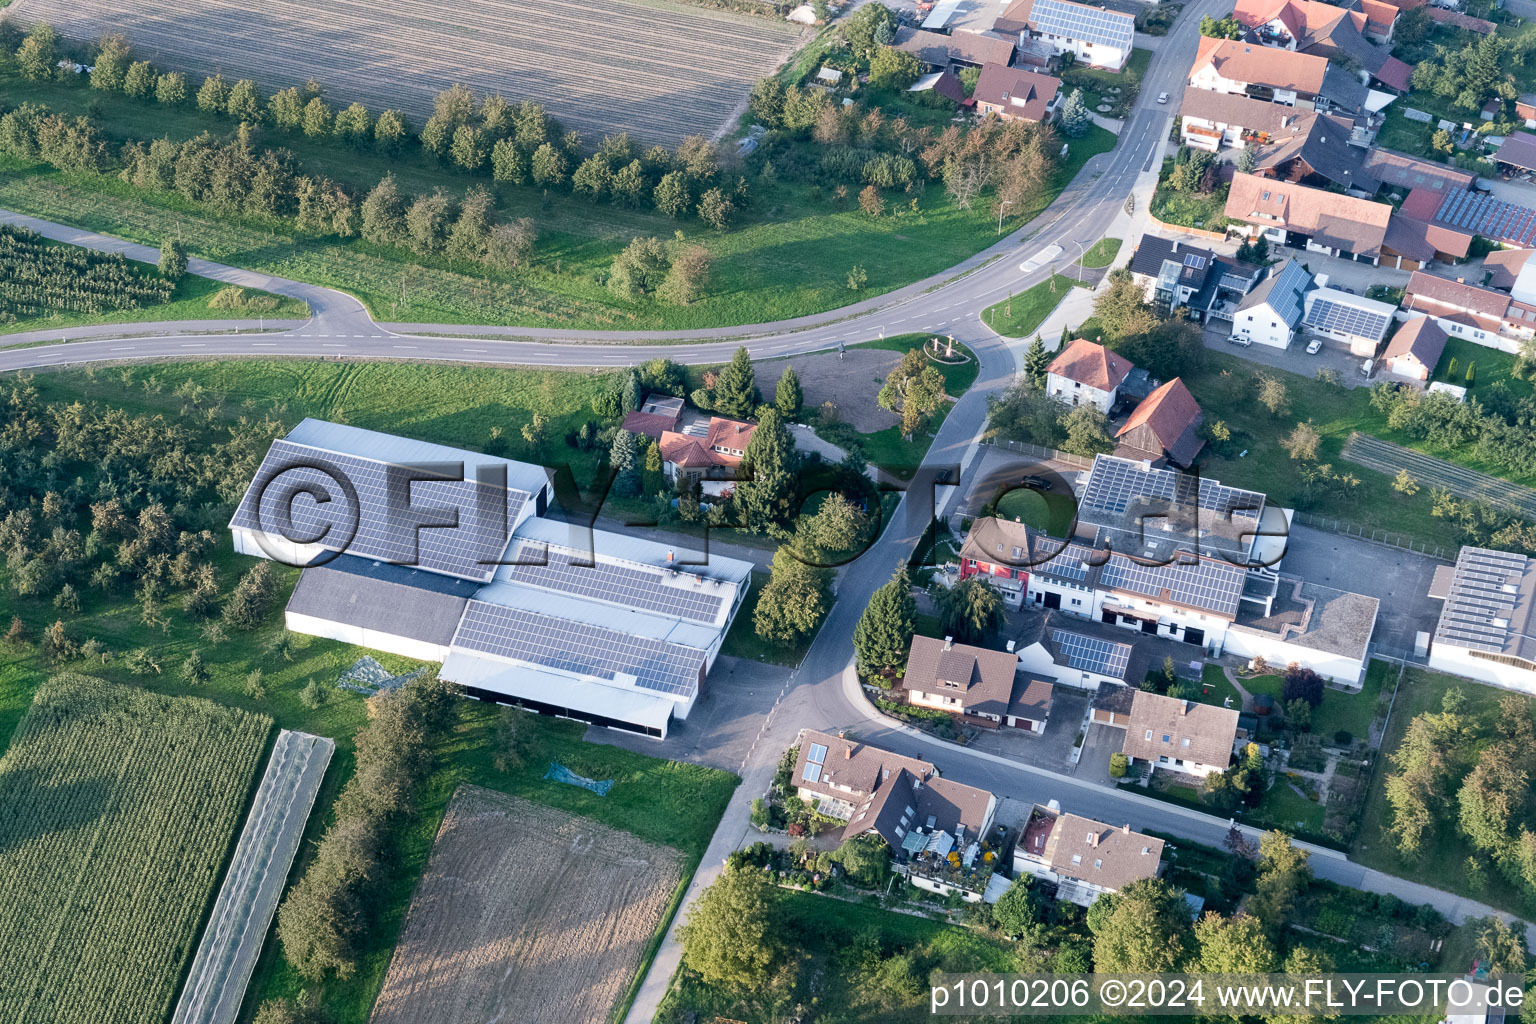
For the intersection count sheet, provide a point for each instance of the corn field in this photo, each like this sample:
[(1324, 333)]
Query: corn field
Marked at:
[(119, 808)]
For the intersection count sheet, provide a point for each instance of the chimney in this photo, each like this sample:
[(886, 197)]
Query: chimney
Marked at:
[(1125, 829), (848, 753), (1461, 280), (1185, 706), (1093, 839), (949, 643), (669, 557)]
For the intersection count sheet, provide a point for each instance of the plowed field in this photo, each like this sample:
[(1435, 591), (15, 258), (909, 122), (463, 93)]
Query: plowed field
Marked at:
[(525, 914), (658, 71)]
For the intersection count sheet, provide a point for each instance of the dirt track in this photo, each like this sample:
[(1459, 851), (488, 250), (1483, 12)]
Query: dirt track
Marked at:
[(657, 71), (526, 915)]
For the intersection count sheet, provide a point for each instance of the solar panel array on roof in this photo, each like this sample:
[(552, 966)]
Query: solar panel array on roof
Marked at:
[(1194, 261), (1328, 315), (521, 635), (1211, 585), (1089, 24), (384, 530), (1484, 592), (651, 590), (1285, 298), (1480, 213), (1091, 654), (1064, 561), (1115, 484)]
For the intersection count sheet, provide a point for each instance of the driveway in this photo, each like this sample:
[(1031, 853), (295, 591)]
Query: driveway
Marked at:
[(997, 467), (1398, 579), (1051, 749), (1294, 359), (1102, 741)]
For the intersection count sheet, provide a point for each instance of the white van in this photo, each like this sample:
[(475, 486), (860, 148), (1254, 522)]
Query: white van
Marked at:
[(1366, 367)]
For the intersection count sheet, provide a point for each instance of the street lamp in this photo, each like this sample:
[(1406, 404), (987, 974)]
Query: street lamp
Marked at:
[(1000, 208), (1082, 254)]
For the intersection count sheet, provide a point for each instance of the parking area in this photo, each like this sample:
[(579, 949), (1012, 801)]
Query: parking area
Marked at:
[(1398, 579), (1334, 355), (1101, 742), (736, 699), (996, 468), (1051, 749)]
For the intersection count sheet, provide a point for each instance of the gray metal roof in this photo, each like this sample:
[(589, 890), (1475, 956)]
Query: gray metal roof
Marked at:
[(393, 599), (1489, 608), (666, 592)]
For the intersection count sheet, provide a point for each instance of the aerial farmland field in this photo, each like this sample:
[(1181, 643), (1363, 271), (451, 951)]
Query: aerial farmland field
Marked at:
[(656, 70), (119, 807), (527, 913)]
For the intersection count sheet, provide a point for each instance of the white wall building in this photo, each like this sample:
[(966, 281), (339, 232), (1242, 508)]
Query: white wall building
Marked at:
[(1269, 314), (1359, 322), (1487, 630), (1085, 373)]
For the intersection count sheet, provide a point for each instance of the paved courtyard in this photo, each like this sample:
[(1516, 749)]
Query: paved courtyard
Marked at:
[(1053, 748)]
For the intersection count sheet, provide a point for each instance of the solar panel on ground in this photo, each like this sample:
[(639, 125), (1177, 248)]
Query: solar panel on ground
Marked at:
[(520, 635), (1091, 654), (648, 589), (283, 499)]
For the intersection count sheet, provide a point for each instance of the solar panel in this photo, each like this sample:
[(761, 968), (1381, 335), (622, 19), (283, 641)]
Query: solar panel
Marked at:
[(818, 753), (1064, 561), (812, 772), (1077, 21), (519, 635), (1090, 654), (1211, 585), (1121, 495), (1330, 315), (283, 499), (1193, 261), (1482, 213), (680, 595)]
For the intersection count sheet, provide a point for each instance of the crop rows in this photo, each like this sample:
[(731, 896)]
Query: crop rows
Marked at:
[(36, 278), (119, 806), (236, 929), (657, 71)]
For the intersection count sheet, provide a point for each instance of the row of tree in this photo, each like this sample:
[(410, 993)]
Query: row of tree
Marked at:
[(1493, 425), (37, 278), (325, 919)]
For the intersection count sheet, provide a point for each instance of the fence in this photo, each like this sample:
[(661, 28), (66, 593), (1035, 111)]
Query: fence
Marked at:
[(1034, 451), (1396, 540)]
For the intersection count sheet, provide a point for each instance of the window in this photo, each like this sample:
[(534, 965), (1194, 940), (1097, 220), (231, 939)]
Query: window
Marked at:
[(1266, 197), (1184, 743), (1149, 734), (1166, 737), (1098, 862), (1077, 858)]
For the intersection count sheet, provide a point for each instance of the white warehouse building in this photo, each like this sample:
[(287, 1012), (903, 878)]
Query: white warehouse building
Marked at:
[(1486, 628), (519, 609)]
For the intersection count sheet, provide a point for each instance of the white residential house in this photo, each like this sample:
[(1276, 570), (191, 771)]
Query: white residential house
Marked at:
[(1082, 857), (1096, 36), (1084, 373), (1269, 314)]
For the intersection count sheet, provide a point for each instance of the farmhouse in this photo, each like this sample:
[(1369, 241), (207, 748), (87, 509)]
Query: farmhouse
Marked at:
[(1083, 858), (1487, 630), (1462, 215), (1095, 36), (1084, 373), (657, 415), (1409, 172), (1260, 72), (940, 52), (1415, 349), (974, 683), (1017, 94), (604, 628), (1268, 315), (1323, 30), (1181, 736), (1462, 310), (1314, 152), (1319, 221), (1165, 426), (1359, 322)]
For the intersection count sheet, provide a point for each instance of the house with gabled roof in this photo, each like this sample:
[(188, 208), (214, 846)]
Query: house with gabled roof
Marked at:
[(1269, 314), (836, 773), (656, 415), (1017, 94), (1323, 30), (1181, 736), (1083, 858), (981, 685), (1166, 425), (1086, 373), (1415, 349), (1259, 72), (714, 454), (954, 52), (1095, 36), (1291, 214), (1316, 153), (1212, 120), (1170, 271), (1478, 315)]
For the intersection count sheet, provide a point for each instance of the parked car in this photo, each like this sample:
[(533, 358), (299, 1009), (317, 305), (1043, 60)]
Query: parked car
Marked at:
[(1366, 367), (1314, 346), (1039, 482), (1238, 339), (1162, 97)]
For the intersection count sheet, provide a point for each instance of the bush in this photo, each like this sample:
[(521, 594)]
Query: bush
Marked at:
[(1119, 764), (1344, 738)]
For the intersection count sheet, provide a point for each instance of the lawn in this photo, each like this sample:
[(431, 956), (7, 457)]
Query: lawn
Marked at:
[(1226, 390), (1353, 712), (120, 810), (1216, 688), (1446, 853), (1492, 366), (846, 954), (789, 254), (1102, 254), (1191, 210), (1052, 513), (1283, 807), (958, 377), (1020, 316), (190, 301)]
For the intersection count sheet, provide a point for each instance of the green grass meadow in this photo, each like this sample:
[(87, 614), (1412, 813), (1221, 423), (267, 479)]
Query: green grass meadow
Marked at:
[(1020, 316)]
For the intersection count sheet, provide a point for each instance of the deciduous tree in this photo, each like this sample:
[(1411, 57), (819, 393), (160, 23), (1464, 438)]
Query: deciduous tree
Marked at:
[(1144, 927), (731, 938), (970, 610)]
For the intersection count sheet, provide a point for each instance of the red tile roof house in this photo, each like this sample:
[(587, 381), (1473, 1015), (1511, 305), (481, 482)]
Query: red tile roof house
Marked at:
[(999, 550), (1165, 425), (1180, 735), (656, 415), (1452, 219), (1087, 373), (1262, 72), (1313, 218), (1322, 30), (711, 456), (981, 685), (1415, 349), (1478, 315), (1017, 94)]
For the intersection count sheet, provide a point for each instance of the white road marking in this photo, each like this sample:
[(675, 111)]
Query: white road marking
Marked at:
[(406, 346), (333, 346), (264, 344), (124, 348), (481, 351)]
